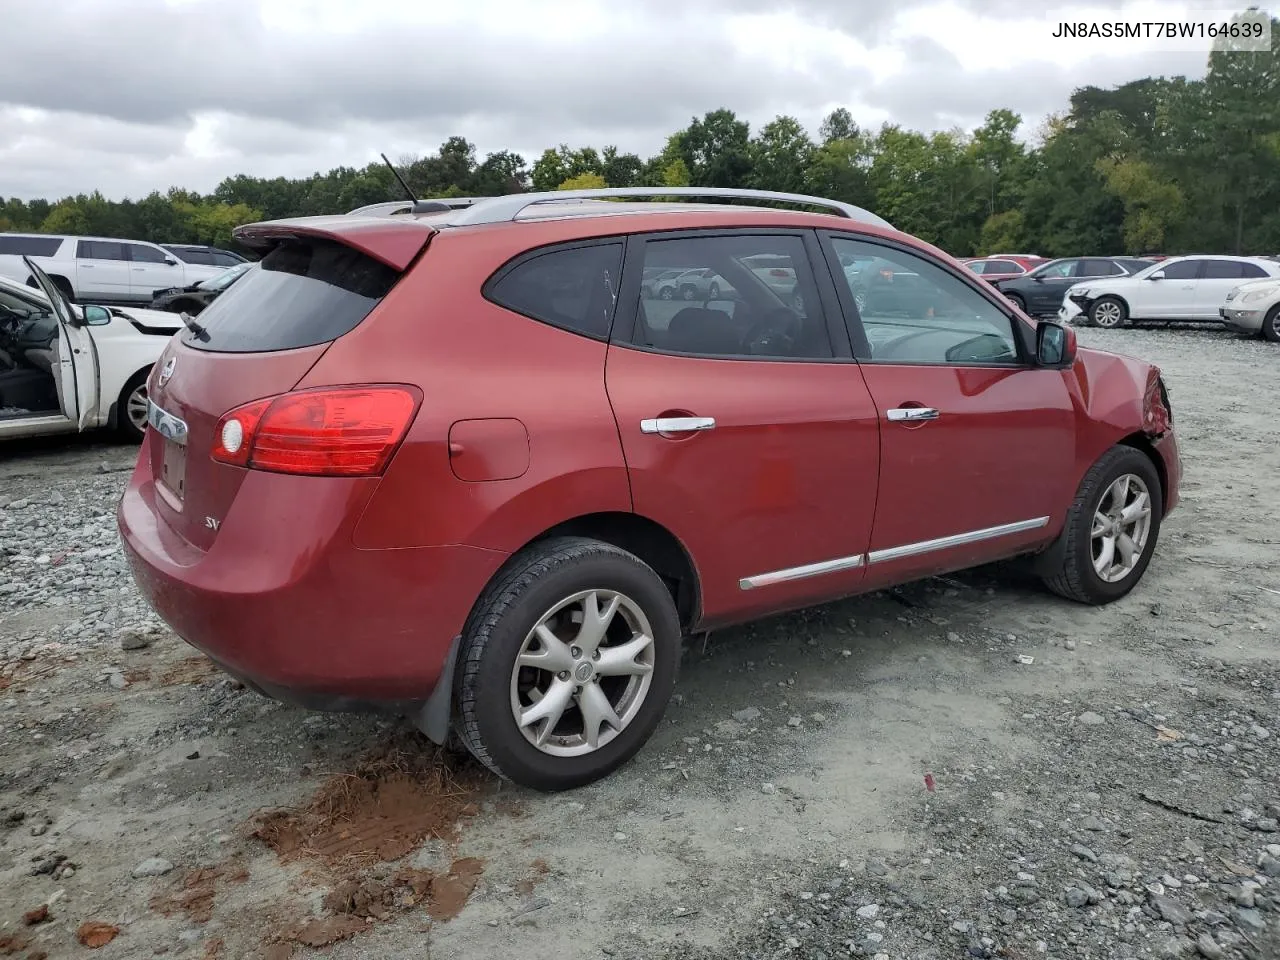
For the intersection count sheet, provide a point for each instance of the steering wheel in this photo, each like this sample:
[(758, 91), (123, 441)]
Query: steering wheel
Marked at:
[(773, 335)]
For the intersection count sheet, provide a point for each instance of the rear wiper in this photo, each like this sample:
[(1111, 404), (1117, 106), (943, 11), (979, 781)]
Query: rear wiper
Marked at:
[(194, 325)]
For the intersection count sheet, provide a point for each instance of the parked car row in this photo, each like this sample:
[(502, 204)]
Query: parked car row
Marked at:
[(105, 270), (853, 411), (1240, 292)]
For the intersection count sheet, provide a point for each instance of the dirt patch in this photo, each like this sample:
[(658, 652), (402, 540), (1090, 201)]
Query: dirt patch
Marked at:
[(12, 943), (188, 670), (321, 933), (95, 933), (382, 812), (538, 871), (197, 891)]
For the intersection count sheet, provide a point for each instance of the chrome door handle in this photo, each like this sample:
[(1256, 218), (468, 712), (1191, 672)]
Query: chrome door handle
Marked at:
[(912, 413), (677, 424)]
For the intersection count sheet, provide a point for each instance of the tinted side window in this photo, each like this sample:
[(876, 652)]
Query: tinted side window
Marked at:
[(1062, 270), (101, 250), (914, 311), (141, 254), (573, 289), (734, 296), (30, 246), (1252, 271), (220, 258), (1002, 266), (1097, 267), (304, 292), (1182, 270), (1222, 270)]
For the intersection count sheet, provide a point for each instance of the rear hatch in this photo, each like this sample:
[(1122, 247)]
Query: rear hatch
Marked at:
[(316, 282)]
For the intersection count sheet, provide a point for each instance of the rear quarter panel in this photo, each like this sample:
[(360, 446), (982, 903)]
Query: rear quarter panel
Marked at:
[(474, 360)]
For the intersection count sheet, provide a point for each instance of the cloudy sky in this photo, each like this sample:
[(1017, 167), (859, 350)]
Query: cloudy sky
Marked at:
[(128, 96)]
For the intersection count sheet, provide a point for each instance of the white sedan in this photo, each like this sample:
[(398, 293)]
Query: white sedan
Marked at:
[(66, 368), (1180, 288)]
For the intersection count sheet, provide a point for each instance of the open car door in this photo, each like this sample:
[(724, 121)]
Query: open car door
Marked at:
[(75, 370)]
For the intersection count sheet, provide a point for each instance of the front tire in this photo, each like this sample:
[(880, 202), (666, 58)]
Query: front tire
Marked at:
[(1271, 324), (1108, 312), (568, 661), (131, 408), (1111, 531), (1017, 301)]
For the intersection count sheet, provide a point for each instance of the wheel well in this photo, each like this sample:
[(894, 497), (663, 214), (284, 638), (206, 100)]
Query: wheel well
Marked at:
[(651, 542), (1116, 297), (1140, 441), (113, 416)]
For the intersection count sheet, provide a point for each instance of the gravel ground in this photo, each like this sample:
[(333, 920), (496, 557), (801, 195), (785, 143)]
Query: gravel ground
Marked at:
[(879, 777)]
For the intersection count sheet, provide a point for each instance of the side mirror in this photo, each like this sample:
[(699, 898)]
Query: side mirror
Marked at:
[(1055, 345), (95, 316), (170, 261), (1158, 275), (1038, 279)]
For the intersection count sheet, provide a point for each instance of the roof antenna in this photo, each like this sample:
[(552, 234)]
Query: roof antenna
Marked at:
[(419, 206)]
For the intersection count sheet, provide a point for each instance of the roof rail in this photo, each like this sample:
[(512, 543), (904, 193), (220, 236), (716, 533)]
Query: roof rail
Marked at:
[(389, 208), (507, 208)]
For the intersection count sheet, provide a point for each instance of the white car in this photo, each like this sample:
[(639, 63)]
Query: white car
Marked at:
[(1254, 307), (1180, 288), (100, 269), (66, 368)]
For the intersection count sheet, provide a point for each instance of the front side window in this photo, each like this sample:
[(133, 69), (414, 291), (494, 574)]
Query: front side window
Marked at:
[(738, 296), (140, 253), (1182, 270), (1060, 270), (912, 310), (573, 288)]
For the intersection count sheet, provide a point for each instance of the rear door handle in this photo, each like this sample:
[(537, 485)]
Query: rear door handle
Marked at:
[(677, 424), (912, 413)]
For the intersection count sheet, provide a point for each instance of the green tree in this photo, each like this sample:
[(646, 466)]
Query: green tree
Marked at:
[(717, 150), (780, 156), (583, 181)]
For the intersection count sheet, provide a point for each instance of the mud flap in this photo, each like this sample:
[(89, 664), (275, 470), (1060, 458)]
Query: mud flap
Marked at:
[(434, 716)]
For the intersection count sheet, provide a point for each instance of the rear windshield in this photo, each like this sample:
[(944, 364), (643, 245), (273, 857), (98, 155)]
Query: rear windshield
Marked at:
[(30, 246), (304, 292)]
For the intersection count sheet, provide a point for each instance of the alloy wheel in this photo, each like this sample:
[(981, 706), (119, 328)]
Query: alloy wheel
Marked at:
[(1121, 527), (582, 673), (1107, 314), (135, 407)]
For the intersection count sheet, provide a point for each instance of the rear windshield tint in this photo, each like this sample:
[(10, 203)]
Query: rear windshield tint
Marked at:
[(304, 292), (30, 246)]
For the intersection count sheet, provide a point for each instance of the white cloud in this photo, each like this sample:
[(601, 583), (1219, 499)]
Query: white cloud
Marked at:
[(135, 95)]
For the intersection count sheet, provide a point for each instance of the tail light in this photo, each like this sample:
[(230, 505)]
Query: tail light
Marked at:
[(327, 432)]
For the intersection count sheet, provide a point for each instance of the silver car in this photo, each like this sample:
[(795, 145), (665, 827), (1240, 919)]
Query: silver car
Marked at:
[(1254, 308)]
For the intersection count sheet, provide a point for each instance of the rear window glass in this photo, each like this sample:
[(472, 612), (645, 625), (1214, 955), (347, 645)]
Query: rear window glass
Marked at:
[(302, 293), (572, 288), (30, 246)]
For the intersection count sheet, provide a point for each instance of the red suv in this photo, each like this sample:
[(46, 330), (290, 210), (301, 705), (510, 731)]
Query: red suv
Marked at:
[(455, 465)]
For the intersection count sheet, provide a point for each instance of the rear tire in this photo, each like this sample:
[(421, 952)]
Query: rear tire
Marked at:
[(1271, 325), (1108, 313), (1074, 566), (131, 408), (525, 644)]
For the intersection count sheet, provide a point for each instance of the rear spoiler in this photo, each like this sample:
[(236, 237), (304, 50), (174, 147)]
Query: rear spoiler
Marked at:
[(394, 241)]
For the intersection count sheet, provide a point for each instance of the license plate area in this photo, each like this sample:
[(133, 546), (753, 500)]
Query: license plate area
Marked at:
[(173, 462), (173, 468)]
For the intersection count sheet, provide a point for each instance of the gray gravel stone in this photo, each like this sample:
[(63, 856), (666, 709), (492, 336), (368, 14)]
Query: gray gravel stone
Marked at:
[(152, 867), (1209, 948), (1171, 910), (746, 715), (1091, 719), (1075, 897), (869, 912)]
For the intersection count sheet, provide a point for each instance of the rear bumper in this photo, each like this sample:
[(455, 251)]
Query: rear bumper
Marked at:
[(293, 608)]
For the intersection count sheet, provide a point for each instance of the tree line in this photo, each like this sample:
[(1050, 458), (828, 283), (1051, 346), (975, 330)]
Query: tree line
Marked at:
[(1161, 164)]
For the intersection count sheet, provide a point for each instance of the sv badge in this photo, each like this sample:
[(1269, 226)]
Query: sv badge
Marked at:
[(213, 523)]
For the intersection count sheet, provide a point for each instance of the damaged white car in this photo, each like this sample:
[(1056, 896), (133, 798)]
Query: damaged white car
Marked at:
[(66, 368)]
